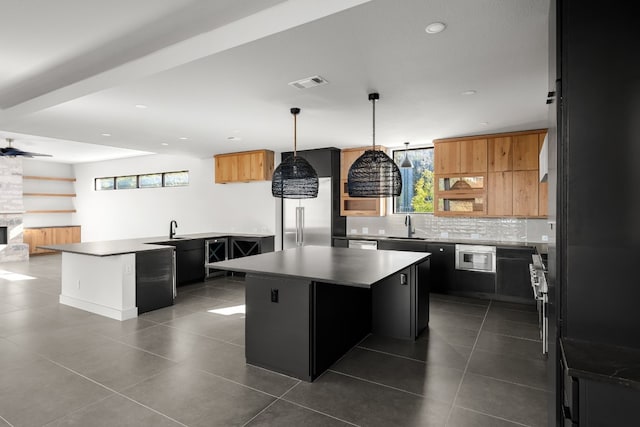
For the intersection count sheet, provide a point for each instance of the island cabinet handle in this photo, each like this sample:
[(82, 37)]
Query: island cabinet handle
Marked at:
[(403, 279)]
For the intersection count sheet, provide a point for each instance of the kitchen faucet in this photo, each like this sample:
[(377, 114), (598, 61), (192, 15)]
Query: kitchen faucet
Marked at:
[(407, 223), (172, 231)]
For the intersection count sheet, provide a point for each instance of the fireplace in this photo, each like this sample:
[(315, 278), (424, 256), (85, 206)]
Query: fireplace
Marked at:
[(12, 248)]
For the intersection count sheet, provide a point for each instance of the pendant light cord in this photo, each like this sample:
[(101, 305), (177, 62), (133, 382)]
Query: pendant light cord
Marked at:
[(295, 142), (373, 101)]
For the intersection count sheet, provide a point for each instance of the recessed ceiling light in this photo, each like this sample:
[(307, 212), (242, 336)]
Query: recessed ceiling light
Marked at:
[(141, 106), (435, 27), (234, 138), (163, 143), (105, 134), (468, 92), (484, 123), (183, 138)]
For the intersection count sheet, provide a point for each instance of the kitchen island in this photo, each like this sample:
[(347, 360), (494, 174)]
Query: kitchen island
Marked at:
[(307, 306), (121, 279)]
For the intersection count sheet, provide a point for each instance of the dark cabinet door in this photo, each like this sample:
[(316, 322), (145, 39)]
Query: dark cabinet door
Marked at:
[(443, 267), (422, 282), (189, 260), (246, 246), (512, 272), (278, 324), (190, 265), (475, 283)]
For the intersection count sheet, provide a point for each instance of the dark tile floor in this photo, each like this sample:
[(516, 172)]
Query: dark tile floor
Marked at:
[(479, 364)]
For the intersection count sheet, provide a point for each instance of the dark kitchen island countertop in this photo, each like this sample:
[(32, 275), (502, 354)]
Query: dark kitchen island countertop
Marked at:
[(307, 306), (143, 244), (342, 266)]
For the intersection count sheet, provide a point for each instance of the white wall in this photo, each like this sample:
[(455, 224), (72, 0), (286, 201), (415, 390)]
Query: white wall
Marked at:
[(202, 206)]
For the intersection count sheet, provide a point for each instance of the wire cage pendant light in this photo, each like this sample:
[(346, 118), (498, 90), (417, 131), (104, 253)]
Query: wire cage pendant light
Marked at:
[(406, 163), (294, 178), (374, 173)]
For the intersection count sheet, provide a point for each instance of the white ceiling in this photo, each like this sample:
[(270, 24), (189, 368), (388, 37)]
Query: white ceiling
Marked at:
[(72, 70)]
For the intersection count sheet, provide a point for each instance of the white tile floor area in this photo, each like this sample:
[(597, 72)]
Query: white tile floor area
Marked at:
[(479, 364)]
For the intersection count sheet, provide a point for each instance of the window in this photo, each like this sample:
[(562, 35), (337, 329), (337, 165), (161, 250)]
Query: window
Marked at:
[(417, 181), (149, 180), (126, 182), (105, 184), (176, 179)]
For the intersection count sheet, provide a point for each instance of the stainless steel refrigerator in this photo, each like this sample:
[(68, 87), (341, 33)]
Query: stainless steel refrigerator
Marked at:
[(308, 221)]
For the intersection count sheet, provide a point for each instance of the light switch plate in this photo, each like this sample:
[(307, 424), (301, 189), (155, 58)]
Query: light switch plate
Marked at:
[(354, 231), (475, 236), (444, 234), (381, 231), (365, 230), (545, 238)]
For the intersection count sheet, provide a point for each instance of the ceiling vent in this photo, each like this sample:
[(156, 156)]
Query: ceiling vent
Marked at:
[(308, 82)]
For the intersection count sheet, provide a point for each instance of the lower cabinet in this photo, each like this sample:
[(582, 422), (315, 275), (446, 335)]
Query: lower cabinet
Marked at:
[(191, 254), (43, 236), (513, 280), (443, 266), (477, 284), (189, 260), (510, 282), (189, 265), (245, 246)]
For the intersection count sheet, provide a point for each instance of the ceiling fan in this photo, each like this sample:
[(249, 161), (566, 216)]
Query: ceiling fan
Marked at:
[(10, 151)]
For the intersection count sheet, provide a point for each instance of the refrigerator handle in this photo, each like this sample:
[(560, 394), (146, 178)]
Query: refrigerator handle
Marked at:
[(299, 225)]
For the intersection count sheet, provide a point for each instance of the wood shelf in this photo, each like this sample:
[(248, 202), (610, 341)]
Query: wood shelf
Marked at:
[(49, 178), (50, 194), (52, 211)]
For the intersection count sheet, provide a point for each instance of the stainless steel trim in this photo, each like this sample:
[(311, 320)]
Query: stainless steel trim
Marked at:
[(540, 289), (299, 225), (175, 287)]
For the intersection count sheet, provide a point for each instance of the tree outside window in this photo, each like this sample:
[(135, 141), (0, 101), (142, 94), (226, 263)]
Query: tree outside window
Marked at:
[(417, 181)]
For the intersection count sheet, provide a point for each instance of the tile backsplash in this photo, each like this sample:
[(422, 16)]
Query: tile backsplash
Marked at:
[(434, 227)]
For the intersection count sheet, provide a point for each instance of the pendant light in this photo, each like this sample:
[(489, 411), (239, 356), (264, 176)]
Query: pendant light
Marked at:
[(294, 178), (374, 173), (406, 163)]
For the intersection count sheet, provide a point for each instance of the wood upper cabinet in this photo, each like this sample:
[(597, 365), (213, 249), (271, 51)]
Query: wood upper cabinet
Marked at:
[(526, 152), (244, 166), (226, 168), (460, 156), (446, 158), (473, 156), (357, 206), (525, 193), (507, 160), (500, 194), (500, 157)]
